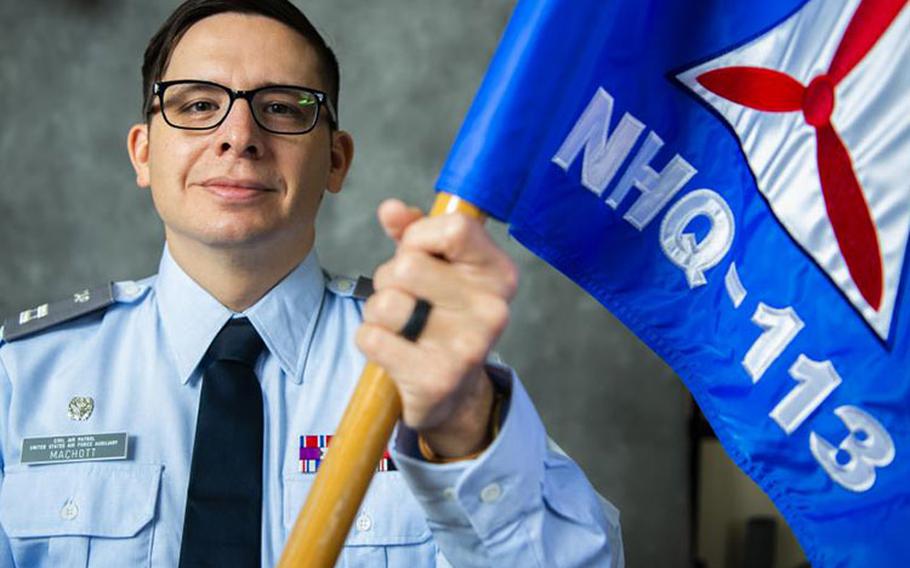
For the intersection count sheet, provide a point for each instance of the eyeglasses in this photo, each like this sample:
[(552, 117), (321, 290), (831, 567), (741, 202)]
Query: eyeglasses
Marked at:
[(280, 109)]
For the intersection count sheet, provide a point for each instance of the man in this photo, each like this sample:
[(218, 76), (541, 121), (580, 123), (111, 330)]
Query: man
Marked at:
[(207, 388)]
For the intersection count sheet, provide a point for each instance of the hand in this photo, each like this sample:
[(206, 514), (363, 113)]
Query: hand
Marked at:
[(451, 262)]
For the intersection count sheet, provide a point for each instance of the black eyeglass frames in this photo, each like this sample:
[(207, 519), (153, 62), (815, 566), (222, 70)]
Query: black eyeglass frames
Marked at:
[(203, 105)]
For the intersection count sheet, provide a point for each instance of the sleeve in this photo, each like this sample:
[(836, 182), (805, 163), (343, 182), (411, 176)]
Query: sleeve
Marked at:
[(522, 502), (6, 555)]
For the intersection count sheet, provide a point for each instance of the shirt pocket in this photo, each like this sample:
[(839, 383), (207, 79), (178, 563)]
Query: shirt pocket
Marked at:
[(389, 529), (80, 514)]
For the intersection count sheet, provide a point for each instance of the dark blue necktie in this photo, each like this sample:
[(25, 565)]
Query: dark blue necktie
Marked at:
[(223, 517)]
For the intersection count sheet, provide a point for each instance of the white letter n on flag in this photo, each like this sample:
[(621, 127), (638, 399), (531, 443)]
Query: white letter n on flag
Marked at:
[(604, 154)]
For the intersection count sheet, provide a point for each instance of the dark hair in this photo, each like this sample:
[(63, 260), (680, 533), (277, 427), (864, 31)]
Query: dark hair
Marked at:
[(162, 44)]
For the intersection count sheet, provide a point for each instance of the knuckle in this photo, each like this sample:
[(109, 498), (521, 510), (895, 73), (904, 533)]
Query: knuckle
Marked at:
[(414, 229), (368, 339), (496, 313), (510, 278), (406, 266), (461, 225), (470, 348), (384, 302), (456, 231), (380, 276)]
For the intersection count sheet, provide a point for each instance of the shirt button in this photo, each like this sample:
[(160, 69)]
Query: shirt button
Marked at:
[(491, 493), (449, 493), (364, 523), (69, 511)]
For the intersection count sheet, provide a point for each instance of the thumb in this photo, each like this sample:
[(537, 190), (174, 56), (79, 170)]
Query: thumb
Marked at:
[(395, 216)]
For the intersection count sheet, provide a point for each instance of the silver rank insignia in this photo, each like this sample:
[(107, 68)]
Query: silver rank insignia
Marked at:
[(82, 297), (35, 314), (81, 407)]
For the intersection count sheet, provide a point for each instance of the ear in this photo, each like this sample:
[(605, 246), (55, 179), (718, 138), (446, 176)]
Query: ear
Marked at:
[(342, 156), (137, 144)]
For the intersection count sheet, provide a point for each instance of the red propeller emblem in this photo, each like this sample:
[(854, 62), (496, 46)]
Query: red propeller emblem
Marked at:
[(769, 90)]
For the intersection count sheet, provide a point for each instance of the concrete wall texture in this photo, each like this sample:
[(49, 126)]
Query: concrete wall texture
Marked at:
[(71, 215)]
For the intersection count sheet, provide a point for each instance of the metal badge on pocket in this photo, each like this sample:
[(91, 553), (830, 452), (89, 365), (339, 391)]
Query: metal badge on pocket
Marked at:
[(80, 408)]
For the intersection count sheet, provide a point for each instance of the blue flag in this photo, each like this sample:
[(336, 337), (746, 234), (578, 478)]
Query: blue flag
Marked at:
[(730, 179)]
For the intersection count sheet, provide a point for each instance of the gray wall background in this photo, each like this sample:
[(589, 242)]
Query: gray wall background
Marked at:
[(71, 215)]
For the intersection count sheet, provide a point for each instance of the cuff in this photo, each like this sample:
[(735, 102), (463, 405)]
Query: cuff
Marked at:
[(498, 486)]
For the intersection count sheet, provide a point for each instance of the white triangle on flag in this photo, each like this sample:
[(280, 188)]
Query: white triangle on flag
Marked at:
[(872, 117)]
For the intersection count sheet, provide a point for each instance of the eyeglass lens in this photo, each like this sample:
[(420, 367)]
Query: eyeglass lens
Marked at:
[(279, 109)]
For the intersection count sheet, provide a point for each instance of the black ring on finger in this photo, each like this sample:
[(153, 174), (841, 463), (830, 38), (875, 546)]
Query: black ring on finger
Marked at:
[(418, 320)]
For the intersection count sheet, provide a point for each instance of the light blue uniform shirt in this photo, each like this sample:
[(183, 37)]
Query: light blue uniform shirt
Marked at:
[(521, 503)]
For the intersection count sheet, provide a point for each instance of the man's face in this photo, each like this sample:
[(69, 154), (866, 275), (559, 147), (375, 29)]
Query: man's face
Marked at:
[(238, 185)]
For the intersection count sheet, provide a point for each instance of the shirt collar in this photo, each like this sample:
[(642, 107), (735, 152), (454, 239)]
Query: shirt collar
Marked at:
[(285, 317)]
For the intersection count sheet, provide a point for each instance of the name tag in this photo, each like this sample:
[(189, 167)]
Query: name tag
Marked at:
[(75, 448)]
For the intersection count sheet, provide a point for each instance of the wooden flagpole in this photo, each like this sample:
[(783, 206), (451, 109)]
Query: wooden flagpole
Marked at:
[(356, 448)]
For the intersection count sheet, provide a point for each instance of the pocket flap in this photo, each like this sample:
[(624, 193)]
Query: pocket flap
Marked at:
[(88, 499), (389, 515)]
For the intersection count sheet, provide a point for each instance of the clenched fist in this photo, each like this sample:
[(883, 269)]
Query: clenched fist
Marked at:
[(451, 262)]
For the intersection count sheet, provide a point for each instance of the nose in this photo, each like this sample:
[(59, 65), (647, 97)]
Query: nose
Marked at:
[(239, 133)]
